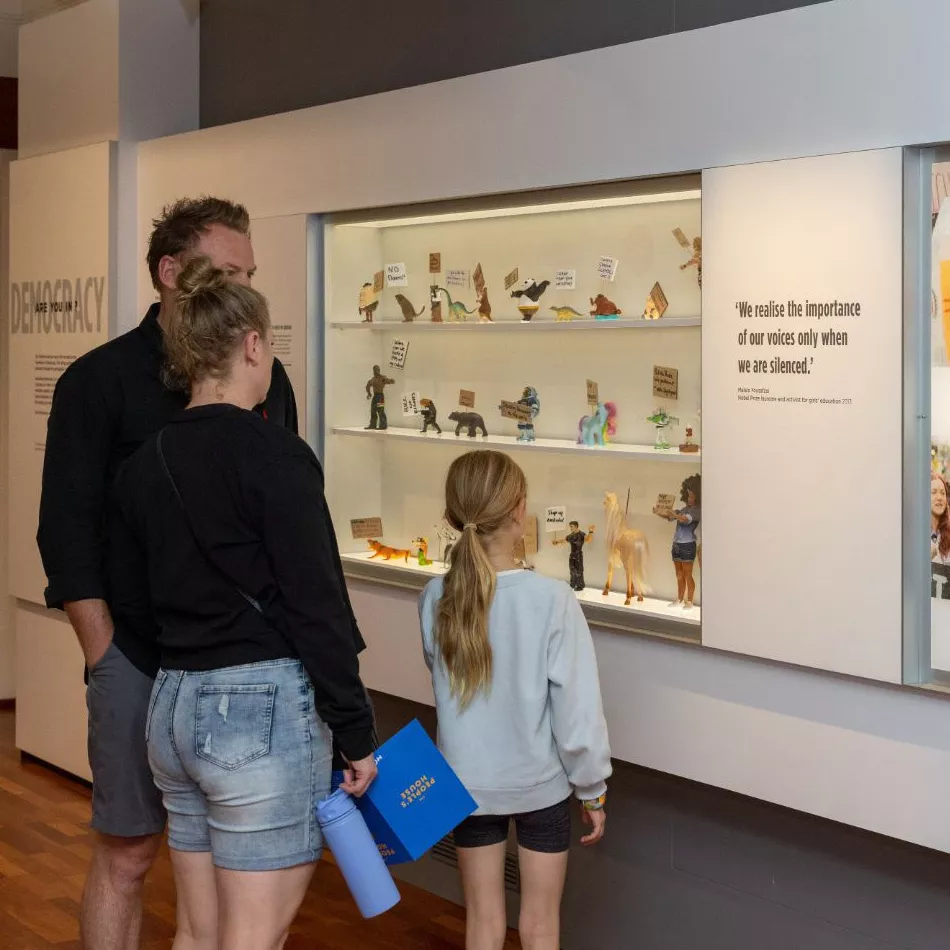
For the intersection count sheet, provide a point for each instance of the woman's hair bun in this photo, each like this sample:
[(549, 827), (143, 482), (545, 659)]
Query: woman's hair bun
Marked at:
[(200, 276)]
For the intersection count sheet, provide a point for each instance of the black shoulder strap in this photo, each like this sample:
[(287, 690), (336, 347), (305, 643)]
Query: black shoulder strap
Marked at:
[(197, 540)]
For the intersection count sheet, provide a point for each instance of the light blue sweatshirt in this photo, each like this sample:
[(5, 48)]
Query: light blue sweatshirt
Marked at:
[(539, 733)]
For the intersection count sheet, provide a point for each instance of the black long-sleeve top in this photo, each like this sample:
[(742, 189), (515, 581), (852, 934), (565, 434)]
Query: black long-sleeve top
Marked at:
[(259, 526), (104, 407)]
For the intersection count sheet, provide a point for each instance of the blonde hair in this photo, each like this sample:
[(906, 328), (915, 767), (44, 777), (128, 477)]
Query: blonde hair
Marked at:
[(483, 489), (213, 315)]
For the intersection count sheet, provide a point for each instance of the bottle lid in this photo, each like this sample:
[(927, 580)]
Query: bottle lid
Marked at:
[(337, 806)]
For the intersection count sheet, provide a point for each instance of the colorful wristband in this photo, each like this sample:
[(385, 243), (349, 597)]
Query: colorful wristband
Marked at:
[(595, 804)]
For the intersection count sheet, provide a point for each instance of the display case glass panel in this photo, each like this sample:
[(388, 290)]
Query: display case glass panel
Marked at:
[(587, 300)]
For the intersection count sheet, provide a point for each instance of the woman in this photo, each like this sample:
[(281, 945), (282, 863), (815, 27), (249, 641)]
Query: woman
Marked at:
[(939, 520), (259, 674)]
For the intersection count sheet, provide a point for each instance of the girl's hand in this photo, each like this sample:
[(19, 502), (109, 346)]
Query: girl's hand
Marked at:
[(598, 822)]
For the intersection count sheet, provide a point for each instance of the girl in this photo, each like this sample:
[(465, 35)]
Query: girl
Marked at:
[(684, 539), (259, 672), (939, 520), (518, 702)]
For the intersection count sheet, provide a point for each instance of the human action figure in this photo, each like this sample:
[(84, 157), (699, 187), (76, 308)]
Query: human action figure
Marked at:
[(575, 560), (529, 399), (369, 301), (375, 390), (429, 414), (684, 539)]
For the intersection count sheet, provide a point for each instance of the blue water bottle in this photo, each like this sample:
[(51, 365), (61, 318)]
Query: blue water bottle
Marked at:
[(356, 855)]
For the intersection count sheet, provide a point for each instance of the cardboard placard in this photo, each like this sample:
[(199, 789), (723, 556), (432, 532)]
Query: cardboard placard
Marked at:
[(666, 382), (531, 535), (565, 279), (515, 410), (416, 798), (664, 503), (555, 519), (511, 279), (657, 303), (410, 404), (379, 281), (397, 356), (457, 278), (682, 238), (478, 278), (365, 528), (467, 398), (607, 268), (435, 262), (593, 393), (396, 275)]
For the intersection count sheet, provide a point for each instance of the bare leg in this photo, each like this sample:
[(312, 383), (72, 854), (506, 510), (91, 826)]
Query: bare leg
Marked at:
[(197, 901), (680, 581), (256, 908), (689, 583), (483, 877), (111, 916), (542, 884)]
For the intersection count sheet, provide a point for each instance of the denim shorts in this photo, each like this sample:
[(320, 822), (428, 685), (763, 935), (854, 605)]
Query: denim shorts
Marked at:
[(241, 758), (684, 551)]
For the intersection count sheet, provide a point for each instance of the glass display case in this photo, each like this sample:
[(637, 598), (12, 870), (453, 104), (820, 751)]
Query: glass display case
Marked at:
[(560, 327)]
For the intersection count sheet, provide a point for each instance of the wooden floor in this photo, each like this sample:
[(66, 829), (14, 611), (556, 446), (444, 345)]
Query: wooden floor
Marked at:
[(45, 846)]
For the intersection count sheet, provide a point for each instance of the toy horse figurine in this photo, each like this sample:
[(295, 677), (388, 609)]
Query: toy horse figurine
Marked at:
[(597, 428), (626, 547)]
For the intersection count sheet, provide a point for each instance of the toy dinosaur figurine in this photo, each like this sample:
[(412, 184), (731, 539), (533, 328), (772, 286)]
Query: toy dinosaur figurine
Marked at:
[(388, 553), (408, 310), (599, 426), (483, 306), (423, 551), (662, 420), (457, 311), (565, 314)]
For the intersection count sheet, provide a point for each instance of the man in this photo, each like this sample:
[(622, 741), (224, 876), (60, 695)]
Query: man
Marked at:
[(376, 390), (105, 406), (575, 560)]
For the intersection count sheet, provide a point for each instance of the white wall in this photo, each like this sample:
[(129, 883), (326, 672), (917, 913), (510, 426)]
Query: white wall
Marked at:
[(10, 19), (835, 77)]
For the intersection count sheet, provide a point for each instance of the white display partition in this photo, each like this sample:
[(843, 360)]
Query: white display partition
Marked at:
[(60, 298), (280, 252), (397, 475), (803, 476)]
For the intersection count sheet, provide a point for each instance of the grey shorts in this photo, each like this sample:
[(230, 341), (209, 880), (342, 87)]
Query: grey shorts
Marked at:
[(125, 801)]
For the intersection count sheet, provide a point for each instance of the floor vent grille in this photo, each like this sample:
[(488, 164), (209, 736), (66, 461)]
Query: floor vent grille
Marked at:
[(444, 852)]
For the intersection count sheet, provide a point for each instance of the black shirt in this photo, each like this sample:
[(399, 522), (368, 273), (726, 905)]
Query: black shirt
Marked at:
[(105, 406), (252, 496)]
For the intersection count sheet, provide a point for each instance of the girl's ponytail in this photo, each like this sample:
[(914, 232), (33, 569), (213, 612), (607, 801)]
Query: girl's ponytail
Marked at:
[(483, 489)]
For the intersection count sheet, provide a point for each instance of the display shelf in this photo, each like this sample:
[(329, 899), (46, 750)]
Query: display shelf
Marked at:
[(423, 324), (559, 446), (652, 616)]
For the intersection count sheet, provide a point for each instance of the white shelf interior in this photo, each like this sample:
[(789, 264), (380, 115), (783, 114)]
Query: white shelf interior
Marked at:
[(650, 607), (561, 446), (390, 475)]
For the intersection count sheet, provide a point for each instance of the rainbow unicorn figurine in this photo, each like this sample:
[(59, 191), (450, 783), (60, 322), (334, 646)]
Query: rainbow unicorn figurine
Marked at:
[(599, 426)]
